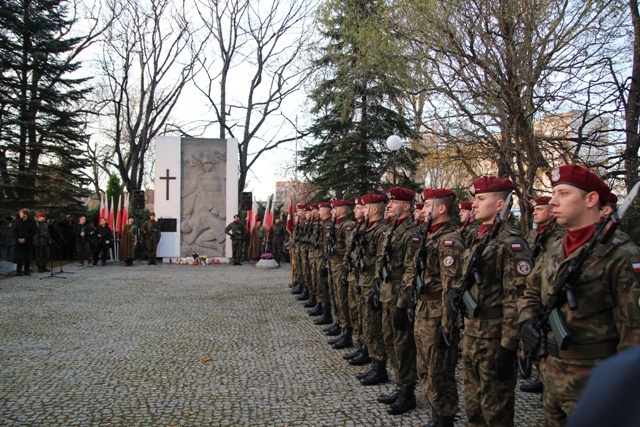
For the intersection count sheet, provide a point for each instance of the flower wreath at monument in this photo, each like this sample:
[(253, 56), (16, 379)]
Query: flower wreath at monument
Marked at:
[(266, 255)]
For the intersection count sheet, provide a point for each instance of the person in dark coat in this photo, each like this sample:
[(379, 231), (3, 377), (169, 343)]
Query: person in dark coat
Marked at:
[(68, 234), (104, 238), (24, 232), (128, 242)]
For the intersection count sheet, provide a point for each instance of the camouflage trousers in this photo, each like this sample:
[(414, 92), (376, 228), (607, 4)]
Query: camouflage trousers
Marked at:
[(354, 308), (372, 325), (563, 385), (341, 295), (400, 346), (236, 250), (305, 262), (487, 401), (43, 255), (321, 283), (436, 365)]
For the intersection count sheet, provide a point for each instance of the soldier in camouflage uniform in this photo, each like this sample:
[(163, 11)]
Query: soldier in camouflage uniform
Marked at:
[(305, 259), (373, 241), (343, 229), (42, 241), (295, 242), (321, 267), (313, 247), (470, 227), (235, 230), (277, 239), (491, 339), (546, 232), (418, 216), (361, 355), (401, 242), (443, 252), (151, 232), (607, 317)]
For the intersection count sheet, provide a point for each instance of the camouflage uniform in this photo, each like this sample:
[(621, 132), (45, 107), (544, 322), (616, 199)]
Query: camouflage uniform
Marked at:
[(607, 319), (469, 234), (506, 262), (436, 362), (235, 230), (277, 241), (43, 251), (399, 342), (151, 231), (372, 316), (355, 306), (305, 257), (555, 232), (343, 230), (315, 259), (322, 268)]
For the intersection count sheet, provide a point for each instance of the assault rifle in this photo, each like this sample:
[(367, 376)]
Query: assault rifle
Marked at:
[(383, 274), (541, 239), (550, 318), (413, 292), (463, 300), (328, 253), (462, 229)]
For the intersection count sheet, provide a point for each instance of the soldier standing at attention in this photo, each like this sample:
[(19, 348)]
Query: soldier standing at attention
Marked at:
[(43, 250), (606, 313), (324, 291), (235, 230), (539, 239), (443, 252), (400, 245), (343, 229), (491, 339), (418, 216), (151, 231), (277, 239), (295, 249), (369, 283), (470, 227)]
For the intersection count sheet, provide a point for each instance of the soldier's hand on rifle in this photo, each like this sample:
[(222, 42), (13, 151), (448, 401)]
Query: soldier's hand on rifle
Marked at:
[(505, 363), (531, 337), (453, 295), (400, 319)]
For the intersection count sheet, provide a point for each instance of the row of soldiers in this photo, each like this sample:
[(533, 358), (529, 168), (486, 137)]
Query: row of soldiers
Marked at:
[(408, 292)]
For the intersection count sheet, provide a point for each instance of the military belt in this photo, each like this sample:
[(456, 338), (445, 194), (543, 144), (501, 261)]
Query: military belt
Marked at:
[(583, 351), (431, 296), (487, 313), (395, 276)]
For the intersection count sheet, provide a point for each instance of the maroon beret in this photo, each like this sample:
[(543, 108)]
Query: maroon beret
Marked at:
[(324, 205), (466, 206), (437, 193), (490, 184), (612, 199), (152, 214), (419, 206), (541, 201), (358, 201), (400, 193), (308, 208), (314, 206), (581, 177), (339, 202), (301, 206), (41, 214), (372, 198)]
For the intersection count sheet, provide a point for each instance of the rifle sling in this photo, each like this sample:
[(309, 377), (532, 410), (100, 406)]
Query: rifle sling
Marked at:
[(583, 351), (487, 313)]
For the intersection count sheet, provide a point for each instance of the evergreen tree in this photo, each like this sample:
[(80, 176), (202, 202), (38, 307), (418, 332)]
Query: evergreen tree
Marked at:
[(41, 126), (355, 101)]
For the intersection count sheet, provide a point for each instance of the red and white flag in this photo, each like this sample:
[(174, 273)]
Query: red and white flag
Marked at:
[(291, 213)]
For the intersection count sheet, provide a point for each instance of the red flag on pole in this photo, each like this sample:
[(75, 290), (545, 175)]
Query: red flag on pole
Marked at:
[(290, 214), (110, 215), (268, 215)]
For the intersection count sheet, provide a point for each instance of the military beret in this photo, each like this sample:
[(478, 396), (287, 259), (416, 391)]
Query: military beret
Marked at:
[(358, 201), (580, 177), (339, 202), (301, 206), (308, 208), (152, 214), (399, 193), (324, 205), (465, 206), (541, 201), (490, 184), (419, 206), (437, 193), (612, 199), (372, 198), (41, 214), (314, 206)]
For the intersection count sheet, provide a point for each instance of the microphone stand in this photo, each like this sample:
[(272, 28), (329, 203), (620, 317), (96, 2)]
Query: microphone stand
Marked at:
[(51, 273), (64, 241)]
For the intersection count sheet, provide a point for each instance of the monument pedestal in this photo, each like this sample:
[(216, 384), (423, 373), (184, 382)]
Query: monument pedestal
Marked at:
[(267, 264)]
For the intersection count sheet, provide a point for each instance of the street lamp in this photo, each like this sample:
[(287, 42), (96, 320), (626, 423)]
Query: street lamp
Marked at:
[(394, 143)]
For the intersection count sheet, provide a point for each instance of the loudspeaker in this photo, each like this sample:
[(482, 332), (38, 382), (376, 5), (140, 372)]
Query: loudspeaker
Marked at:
[(137, 199), (246, 201)]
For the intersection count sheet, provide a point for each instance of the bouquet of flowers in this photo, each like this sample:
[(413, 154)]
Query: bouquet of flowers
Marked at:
[(266, 255), (196, 258)]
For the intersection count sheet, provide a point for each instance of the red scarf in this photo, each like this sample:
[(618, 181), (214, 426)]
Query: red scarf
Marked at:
[(541, 227), (400, 221), (483, 229), (574, 239), (435, 227)]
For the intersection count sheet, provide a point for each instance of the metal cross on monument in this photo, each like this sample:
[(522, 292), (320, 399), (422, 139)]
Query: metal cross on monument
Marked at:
[(167, 178)]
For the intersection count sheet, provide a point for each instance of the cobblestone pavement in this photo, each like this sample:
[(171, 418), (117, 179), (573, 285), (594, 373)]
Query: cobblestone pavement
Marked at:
[(116, 346)]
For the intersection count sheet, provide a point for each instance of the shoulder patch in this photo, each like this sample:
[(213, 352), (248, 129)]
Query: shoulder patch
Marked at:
[(516, 247), (328, 227), (524, 268), (348, 228), (636, 267), (415, 239), (448, 261), (448, 242)]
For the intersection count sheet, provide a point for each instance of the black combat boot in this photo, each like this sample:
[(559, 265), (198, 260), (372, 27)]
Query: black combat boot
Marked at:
[(332, 330), (379, 375), (40, 269), (354, 353), (534, 386), (304, 295), (297, 289), (361, 359), (334, 340), (441, 421), (345, 339), (311, 302), (390, 398), (406, 402), (325, 319), (367, 371), (316, 311)]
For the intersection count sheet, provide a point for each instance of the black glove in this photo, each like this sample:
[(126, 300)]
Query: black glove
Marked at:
[(400, 319), (531, 338), (451, 298), (505, 363)]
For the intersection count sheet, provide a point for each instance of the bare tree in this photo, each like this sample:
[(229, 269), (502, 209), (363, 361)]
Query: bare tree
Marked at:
[(258, 68), (148, 57)]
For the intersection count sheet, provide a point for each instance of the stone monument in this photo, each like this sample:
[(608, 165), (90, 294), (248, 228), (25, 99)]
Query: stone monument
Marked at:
[(196, 182)]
